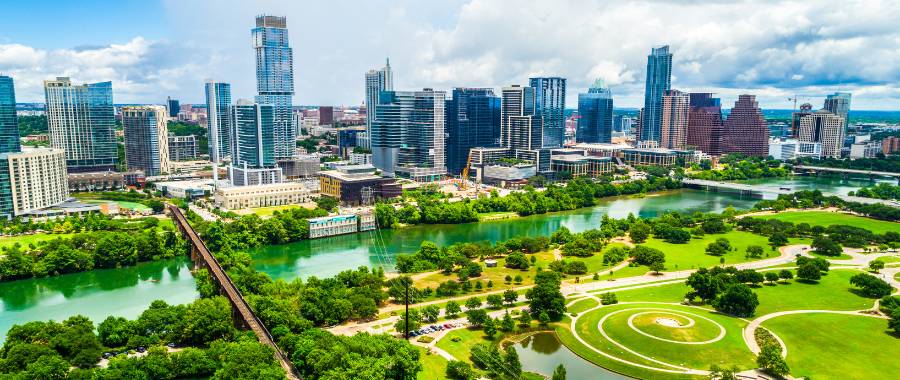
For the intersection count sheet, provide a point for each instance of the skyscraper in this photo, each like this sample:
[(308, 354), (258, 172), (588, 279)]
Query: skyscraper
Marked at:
[(473, 120), (659, 80), (839, 104), (595, 111), (173, 106), (825, 128), (81, 120), (805, 109), (377, 81), (9, 127), (275, 79), (550, 107), (704, 130), (218, 120), (253, 144), (408, 134), (745, 129), (518, 102), (146, 139), (674, 123)]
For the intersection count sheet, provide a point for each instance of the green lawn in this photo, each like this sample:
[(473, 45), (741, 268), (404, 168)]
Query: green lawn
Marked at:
[(496, 274), (434, 366), (693, 253), (25, 240), (460, 350), (581, 306), (833, 346), (122, 204), (268, 211), (825, 218)]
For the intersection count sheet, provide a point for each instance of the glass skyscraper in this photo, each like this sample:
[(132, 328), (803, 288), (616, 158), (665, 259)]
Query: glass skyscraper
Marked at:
[(376, 82), (81, 120), (275, 79), (254, 143), (659, 80), (550, 106), (218, 120), (9, 127), (473, 120), (839, 104), (595, 111), (517, 105), (146, 139), (408, 134)]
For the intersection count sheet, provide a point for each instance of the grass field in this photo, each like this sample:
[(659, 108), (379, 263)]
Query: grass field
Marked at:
[(433, 366), (25, 240), (460, 349), (833, 346), (496, 274), (268, 211), (825, 218), (693, 253)]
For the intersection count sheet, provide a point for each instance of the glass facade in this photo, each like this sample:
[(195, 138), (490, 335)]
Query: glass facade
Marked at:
[(595, 112), (473, 120), (218, 120), (376, 82), (146, 139), (9, 128), (408, 132), (517, 101), (659, 80), (275, 79), (81, 120), (839, 104), (550, 106), (254, 143)]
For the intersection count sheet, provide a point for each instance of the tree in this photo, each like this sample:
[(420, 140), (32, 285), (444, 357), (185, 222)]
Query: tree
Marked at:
[(785, 274), (771, 276), (430, 313), (476, 317), (737, 300), (639, 232), (510, 296), (876, 265), (327, 203), (561, 236), (114, 331), (490, 327), (545, 296), (777, 239), (754, 251), (508, 279), (770, 360), (871, 286), (49, 367), (657, 266), (507, 324), (415, 321), (518, 279), (513, 365), (809, 272), (715, 249), (559, 373), (894, 323), (495, 301), (544, 318), (473, 303), (458, 370), (719, 373), (452, 309), (525, 320), (608, 299), (208, 319), (517, 260), (247, 360)]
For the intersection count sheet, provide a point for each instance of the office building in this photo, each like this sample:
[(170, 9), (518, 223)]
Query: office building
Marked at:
[(517, 104), (81, 121), (265, 195), (825, 128), (790, 149), (182, 148), (253, 144), (300, 166), (550, 107), (890, 145), (805, 109), (473, 120), (622, 123), (704, 129), (376, 82), (9, 127), (31, 180), (659, 80), (357, 185), (839, 104), (643, 156), (218, 120), (146, 139), (326, 115), (275, 79), (745, 130), (867, 149), (173, 107), (407, 137), (595, 115), (674, 123)]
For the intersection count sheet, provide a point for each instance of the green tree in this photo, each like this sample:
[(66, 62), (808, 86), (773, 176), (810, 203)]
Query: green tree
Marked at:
[(825, 246), (495, 301), (518, 279), (785, 274), (876, 265), (476, 317), (777, 239), (546, 296), (894, 322), (327, 203), (561, 236), (452, 309), (206, 320), (870, 285), (490, 327), (510, 296), (459, 370), (770, 360), (507, 324), (809, 272), (754, 251), (737, 300), (473, 303), (525, 320), (559, 373), (50, 367), (771, 276), (639, 232), (414, 320), (513, 365), (247, 360), (430, 313)]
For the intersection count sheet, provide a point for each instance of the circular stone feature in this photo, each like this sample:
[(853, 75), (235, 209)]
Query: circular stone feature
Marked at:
[(667, 319), (668, 322)]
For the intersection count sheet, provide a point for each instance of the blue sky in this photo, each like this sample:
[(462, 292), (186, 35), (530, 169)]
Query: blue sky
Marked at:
[(154, 49)]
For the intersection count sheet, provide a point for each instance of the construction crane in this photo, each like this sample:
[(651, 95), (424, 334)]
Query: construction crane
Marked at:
[(464, 177)]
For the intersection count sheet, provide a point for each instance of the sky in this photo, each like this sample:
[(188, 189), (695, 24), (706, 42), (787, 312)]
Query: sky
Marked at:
[(153, 49)]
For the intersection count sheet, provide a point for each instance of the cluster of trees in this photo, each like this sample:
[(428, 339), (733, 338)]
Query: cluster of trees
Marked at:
[(649, 257), (814, 198), (726, 289), (826, 240), (498, 365), (30, 125), (879, 191), (430, 257), (87, 251), (882, 164), (545, 300), (319, 354), (580, 192), (811, 269), (569, 267), (251, 231), (678, 228), (738, 167), (890, 306), (871, 286), (67, 225)]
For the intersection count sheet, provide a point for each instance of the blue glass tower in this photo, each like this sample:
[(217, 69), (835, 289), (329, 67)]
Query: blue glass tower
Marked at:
[(473, 120), (275, 79), (659, 80), (253, 141), (550, 106), (9, 127), (81, 120), (218, 120), (595, 111)]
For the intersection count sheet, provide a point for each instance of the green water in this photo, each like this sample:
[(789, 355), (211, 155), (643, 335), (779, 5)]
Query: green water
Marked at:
[(128, 291), (542, 352)]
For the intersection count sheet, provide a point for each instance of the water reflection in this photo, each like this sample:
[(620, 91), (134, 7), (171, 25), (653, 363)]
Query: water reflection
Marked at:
[(542, 353)]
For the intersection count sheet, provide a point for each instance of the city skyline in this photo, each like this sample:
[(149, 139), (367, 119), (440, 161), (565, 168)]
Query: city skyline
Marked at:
[(814, 51)]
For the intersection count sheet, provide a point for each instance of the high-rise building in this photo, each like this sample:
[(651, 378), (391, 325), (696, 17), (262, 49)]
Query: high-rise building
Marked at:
[(253, 159), (659, 80), (326, 115), (839, 104), (275, 79), (376, 82), (550, 107), (595, 115), (218, 120), (408, 134), (825, 128), (81, 120), (146, 139), (518, 102), (473, 120), (31, 180), (890, 145), (173, 107), (9, 127), (673, 127), (805, 109), (746, 131), (704, 130), (182, 148)]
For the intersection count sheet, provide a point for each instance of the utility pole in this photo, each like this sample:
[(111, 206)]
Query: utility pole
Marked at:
[(406, 327)]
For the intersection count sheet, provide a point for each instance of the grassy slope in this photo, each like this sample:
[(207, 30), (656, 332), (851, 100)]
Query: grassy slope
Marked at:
[(693, 253), (825, 218), (25, 240)]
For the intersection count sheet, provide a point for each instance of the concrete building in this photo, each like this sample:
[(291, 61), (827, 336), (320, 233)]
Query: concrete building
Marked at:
[(188, 189), (505, 175), (253, 145), (674, 122), (300, 166), (790, 149), (657, 156), (890, 145), (81, 121), (868, 149), (659, 80), (517, 105), (581, 165), (218, 121), (705, 128), (805, 109), (96, 181), (376, 82), (357, 185), (274, 194), (275, 80), (360, 159), (146, 139), (182, 148), (333, 225), (745, 130), (31, 180), (825, 128)]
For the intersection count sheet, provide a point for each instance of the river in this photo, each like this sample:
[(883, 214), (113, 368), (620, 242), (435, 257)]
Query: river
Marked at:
[(128, 291)]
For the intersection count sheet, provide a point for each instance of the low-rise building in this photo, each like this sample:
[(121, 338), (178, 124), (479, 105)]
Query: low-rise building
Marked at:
[(508, 175), (789, 149), (186, 189), (275, 194), (580, 166), (360, 158), (603, 150), (181, 167), (357, 184), (333, 225), (658, 156), (867, 149), (307, 166), (31, 180), (96, 181), (890, 145)]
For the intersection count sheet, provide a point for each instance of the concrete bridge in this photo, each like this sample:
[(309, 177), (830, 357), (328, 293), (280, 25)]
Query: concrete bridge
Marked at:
[(758, 189), (242, 313), (870, 173)]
